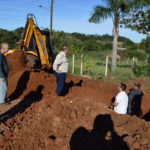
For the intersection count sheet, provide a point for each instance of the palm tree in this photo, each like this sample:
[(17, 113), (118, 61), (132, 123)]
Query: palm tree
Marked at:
[(111, 9)]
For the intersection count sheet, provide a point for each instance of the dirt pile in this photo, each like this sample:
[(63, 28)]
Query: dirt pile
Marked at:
[(73, 123), (16, 61), (80, 120)]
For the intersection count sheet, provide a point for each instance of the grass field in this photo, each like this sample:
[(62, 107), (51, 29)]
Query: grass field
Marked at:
[(94, 66)]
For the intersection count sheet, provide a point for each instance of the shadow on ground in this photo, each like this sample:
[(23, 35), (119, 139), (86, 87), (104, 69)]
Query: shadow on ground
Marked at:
[(29, 99), (146, 117), (21, 86), (102, 136), (68, 86)]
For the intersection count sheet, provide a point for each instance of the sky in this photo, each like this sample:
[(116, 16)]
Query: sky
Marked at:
[(69, 16)]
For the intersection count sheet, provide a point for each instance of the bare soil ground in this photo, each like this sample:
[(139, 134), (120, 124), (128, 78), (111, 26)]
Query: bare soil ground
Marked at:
[(80, 120)]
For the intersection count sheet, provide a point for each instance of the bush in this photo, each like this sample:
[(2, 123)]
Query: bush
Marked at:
[(141, 70), (138, 54)]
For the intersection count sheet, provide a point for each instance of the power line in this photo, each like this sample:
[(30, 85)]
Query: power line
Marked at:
[(20, 6)]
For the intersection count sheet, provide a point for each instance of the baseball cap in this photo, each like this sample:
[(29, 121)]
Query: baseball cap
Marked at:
[(138, 85)]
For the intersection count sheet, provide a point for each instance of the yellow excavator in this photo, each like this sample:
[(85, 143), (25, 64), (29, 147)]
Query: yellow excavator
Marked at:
[(36, 44)]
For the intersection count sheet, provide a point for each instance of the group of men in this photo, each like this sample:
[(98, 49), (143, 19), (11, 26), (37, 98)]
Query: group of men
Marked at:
[(128, 104), (60, 68), (123, 103)]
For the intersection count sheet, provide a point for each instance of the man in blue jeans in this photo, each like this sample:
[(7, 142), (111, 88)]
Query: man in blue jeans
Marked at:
[(60, 67), (3, 73)]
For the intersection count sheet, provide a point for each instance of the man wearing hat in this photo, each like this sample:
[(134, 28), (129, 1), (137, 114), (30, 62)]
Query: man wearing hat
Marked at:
[(60, 67), (135, 98)]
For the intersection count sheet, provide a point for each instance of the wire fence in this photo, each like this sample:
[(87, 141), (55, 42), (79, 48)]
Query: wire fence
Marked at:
[(99, 67)]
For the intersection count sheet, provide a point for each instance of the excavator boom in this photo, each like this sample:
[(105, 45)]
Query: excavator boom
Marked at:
[(34, 42)]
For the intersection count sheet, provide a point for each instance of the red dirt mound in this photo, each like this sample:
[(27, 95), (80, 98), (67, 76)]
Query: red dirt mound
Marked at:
[(80, 120), (16, 61)]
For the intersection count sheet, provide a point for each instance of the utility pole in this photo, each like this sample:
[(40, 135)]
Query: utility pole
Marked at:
[(51, 19)]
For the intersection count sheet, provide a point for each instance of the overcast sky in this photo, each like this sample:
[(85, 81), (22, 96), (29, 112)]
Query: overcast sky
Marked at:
[(69, 16)]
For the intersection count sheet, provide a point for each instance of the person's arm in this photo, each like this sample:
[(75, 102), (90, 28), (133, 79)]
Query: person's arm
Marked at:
[(115, 104), (117, 100), (1, 68), (57, 62)]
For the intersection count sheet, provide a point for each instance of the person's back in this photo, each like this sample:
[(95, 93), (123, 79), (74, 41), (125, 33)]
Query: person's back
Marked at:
[(135, 98), (136, 104)]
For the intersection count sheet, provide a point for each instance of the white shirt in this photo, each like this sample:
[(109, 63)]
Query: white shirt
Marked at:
[(122, 99), (61, 63)]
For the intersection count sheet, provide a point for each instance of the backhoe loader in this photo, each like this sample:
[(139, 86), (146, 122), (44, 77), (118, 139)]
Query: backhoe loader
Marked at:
[(36, 44)]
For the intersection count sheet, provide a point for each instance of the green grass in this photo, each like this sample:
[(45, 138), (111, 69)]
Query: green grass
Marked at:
[(94, 66)]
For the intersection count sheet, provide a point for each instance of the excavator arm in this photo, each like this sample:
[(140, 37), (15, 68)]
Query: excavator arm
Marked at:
[(34, 42)]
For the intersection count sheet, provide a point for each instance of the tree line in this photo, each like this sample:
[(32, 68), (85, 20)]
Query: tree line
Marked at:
[(82, 43)]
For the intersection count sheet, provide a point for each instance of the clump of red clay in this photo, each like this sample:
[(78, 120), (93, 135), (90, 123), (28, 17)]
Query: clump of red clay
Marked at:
[(16, 61), (80, 120)]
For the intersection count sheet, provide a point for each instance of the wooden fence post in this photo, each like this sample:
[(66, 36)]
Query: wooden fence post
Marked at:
[(128, 60), (146, 62), (133, 60), (136, 60), (81, 69), (106, 67), (73, 60)]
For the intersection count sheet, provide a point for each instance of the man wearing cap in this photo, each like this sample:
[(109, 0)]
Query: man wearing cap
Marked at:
[(3, 73), (60, 67), (135, 98)]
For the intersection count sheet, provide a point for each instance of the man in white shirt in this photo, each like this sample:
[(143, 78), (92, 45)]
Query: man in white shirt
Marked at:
[(60, 67), (121, 100)]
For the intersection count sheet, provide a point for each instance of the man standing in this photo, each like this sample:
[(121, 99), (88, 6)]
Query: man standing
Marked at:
[(3, 73), (135, 98), (121, 101), (60, 67)]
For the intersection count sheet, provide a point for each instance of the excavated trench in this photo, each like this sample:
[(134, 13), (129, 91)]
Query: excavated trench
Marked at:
[(80, 120)]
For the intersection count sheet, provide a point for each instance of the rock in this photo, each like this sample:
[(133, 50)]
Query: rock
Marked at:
[(7, 133), (129, 140), (73, 115), (108, 136), (136, 146), (137, 136)]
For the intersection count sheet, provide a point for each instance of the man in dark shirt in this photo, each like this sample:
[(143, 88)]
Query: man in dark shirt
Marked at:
[(135, 98), (3, 73)]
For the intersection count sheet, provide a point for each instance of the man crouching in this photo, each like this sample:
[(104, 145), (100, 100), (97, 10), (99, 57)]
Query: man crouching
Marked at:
[(121, 101)]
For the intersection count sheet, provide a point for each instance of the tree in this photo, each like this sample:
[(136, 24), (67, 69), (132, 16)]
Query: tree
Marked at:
[(138, 21), (145, 44), (114, 9)]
